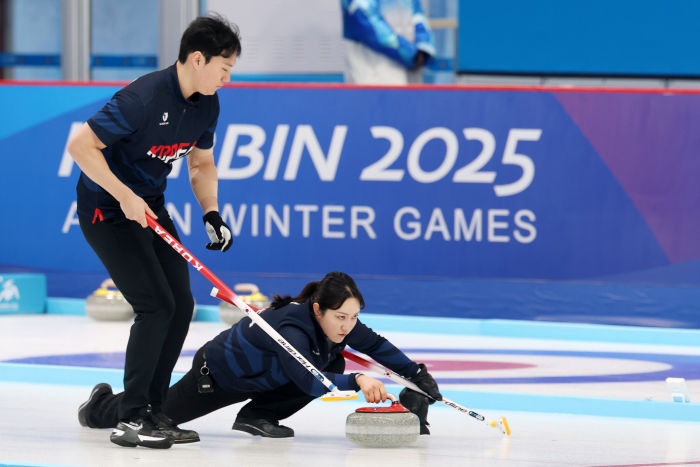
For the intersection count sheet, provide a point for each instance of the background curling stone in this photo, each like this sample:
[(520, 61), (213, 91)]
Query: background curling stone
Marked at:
[(382, 427), (230, 314), (108, 304)]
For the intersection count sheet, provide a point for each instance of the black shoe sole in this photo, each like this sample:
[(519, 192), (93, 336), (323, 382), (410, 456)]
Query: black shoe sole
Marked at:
[(186, 441), (146, 444), (255, 431)]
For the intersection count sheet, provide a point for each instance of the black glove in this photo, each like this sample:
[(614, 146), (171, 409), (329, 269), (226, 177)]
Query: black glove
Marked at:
[(418, 404), (219, 233), (426, 382)]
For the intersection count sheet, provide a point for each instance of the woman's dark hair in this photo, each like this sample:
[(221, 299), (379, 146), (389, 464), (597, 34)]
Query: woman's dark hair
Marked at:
[(213, 36), (330, 293)]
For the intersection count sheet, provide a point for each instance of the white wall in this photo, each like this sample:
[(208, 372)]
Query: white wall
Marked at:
[(285, 36)]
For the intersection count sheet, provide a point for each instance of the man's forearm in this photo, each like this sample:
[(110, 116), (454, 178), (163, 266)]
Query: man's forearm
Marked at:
[(205, 183)]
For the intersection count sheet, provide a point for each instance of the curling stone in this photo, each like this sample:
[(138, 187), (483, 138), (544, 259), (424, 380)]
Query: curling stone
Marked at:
[(231, 314), (382, 427), (108, 304)]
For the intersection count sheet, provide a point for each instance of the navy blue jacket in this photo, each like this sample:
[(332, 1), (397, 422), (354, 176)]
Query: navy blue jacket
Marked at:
[(245, 359), (146, 126)]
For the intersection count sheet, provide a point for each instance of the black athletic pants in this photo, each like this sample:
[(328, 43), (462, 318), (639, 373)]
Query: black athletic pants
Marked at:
[(185, 403), (155, 280)]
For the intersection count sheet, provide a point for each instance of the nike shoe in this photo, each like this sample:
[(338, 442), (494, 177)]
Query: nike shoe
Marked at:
[(140, 431), (98, 392), (164, 424), (262, 427)]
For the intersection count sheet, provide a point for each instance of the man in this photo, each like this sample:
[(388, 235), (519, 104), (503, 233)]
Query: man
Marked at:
[(125, 152)]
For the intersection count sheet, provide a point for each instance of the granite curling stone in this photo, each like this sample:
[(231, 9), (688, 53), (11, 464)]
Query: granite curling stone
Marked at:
[(108, 304), (382, 427), (231, 314)]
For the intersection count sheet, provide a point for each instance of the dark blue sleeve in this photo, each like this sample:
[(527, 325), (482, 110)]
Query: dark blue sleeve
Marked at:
[(300, 375), (120, 117), (369, 342), (206, 141)]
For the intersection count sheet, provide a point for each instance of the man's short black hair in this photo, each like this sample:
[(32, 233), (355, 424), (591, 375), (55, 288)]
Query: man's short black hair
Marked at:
[(211, 35)]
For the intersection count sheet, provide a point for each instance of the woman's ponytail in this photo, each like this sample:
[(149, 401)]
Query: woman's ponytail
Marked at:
[(306, 293), (330, 293)]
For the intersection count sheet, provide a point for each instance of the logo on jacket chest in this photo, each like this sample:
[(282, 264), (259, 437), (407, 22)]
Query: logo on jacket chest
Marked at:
[(170, 152), (165, 119)]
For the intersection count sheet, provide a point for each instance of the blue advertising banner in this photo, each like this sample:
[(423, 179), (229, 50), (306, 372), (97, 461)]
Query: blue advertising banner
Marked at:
[(417, 183)]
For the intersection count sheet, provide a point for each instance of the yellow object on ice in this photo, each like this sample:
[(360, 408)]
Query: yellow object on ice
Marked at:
[(107, 289), (339, 396), (502, 424)]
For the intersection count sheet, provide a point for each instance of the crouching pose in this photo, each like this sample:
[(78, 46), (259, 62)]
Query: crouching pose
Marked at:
[(244, 363)]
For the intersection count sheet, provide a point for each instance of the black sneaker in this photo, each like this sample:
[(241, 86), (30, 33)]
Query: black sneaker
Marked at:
[(164, 424), (140, 431), (97, 393), (262, 427)]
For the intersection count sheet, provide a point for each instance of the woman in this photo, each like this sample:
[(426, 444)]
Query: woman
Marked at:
[(245, 363)]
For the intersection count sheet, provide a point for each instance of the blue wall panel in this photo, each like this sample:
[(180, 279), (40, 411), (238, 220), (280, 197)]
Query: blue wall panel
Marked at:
[(591, 37)]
